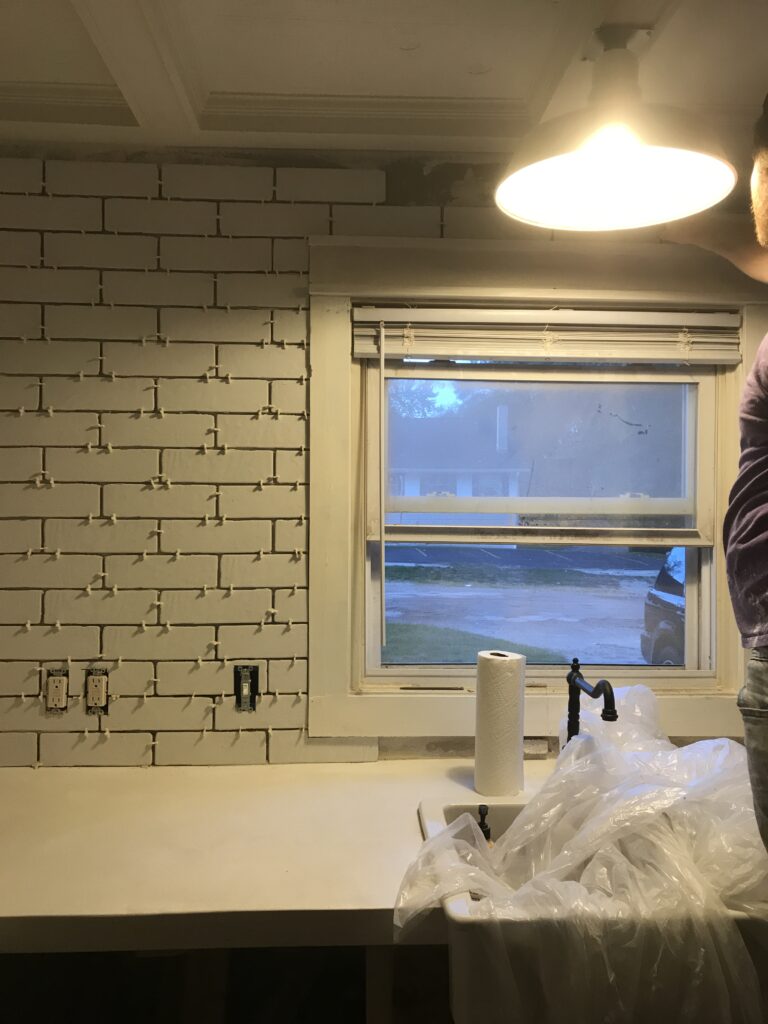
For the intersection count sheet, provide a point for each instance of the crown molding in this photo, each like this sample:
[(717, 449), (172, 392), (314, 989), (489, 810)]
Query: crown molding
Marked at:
[(54, 103), (395, 116)]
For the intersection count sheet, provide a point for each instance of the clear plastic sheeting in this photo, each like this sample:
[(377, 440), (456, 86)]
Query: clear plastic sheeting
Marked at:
[(632, 887)]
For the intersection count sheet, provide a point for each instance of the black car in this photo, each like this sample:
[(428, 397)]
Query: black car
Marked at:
[(662, 641)]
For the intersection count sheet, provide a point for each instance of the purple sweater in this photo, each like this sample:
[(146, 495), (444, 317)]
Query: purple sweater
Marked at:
[(745, 530)]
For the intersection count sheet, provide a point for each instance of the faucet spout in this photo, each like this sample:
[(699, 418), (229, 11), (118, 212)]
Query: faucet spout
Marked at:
[(578, 684)]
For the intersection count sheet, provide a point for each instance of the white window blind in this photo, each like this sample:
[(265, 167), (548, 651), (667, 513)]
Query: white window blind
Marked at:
[(682, 338)]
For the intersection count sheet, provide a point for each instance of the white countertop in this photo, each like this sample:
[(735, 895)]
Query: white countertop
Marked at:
[(217, 856)]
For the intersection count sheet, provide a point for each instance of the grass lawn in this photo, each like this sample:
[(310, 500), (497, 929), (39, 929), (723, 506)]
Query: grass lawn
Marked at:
[(492, 576), (413, 644)]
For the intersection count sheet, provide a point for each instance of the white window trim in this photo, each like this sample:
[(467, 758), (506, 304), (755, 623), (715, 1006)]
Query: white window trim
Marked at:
[(336, 535)]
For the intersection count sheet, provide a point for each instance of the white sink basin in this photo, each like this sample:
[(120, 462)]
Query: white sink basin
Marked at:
[(502, 811)]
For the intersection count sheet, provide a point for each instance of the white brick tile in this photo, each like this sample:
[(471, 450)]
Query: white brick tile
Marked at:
[(184, 500), (19, 392), (215, 536), (46, 642), (288, 676), (49, 357), (291, 254), (30, 715), (267, 571), (400, 221), (213, 396), (213, 606), (291, 605), (100, 465), (157, 643), (131, 678), (263, 431), (65, 428), (131, 713), (18, 749), (311, 184), (160, 217), (289, 396), (250, 502), (99, 536), (19, 248), (61, 500), (20, 606), (271, 713), (220, 325), (193, 181), (262, 290), (17, 677), (211, 748), (161, 571), (97, 178), (209, 677), (21, 174), (157, 288), (23, 534), (177, 429), (292, 746), (154, 359), (274, 219), (485, 222), (290, 535), (95, 749), (269, 361), (262, 642), (290, 465), (126, 607), (50, 214), (20, 321), (100, 322), (45, 570), (157, 359), (131, 252), (290, 325), (20, 463), (215, 253), (218, 466), (96, 393)]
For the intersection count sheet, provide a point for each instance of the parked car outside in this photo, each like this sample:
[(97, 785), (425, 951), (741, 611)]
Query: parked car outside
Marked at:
[(662, 641)]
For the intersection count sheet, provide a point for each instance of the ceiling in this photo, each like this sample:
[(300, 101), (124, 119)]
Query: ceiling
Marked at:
[(400, 76)]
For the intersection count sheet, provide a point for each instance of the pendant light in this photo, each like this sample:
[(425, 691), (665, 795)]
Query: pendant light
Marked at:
[(617, 164)]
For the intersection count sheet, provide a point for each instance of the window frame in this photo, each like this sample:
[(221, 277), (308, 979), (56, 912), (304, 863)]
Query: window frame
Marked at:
[(342, 273)]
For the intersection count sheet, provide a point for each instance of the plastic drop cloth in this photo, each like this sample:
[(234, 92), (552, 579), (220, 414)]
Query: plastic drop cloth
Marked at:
[(611, 897)]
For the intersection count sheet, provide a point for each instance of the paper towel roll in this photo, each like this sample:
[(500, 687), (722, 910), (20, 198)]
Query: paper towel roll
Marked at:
[(499, 723)]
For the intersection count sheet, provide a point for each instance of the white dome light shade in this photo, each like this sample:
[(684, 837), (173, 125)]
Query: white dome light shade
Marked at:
[(614, 179)]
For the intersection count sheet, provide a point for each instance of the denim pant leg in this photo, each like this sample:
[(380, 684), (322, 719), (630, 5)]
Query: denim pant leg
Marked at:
[(753, 704)]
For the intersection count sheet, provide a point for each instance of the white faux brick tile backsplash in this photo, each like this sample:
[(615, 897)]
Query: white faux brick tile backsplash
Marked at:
[(153, 467)]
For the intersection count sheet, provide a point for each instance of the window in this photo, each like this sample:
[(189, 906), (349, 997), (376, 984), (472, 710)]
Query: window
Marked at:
[(534, 508), (590, 505)]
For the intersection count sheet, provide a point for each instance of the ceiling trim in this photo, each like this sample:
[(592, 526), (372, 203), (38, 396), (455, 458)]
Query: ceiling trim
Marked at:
[(366, 115), (136, 43), (53, 103)]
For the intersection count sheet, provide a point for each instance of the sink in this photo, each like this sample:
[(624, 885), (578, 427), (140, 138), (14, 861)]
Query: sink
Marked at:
[(502, 811)]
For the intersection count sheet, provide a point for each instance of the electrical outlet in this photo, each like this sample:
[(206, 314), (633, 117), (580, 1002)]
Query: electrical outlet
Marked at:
[(246, 687), (96, 691), (57, 690)]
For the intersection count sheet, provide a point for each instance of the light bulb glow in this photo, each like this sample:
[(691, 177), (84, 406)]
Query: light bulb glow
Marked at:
[(614, 180)]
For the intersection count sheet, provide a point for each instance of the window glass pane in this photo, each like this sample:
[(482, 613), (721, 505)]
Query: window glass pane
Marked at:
[(604, 605), (492, 453)]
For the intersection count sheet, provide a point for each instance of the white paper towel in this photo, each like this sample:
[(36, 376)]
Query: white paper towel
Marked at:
[(499, 723)]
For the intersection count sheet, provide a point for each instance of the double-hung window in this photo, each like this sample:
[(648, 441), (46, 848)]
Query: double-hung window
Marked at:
[(543, 481)]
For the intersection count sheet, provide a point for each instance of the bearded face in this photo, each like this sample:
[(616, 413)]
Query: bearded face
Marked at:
[(759, 190)]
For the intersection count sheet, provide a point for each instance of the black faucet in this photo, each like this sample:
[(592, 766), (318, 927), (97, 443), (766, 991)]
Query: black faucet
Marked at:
[(577, 683)]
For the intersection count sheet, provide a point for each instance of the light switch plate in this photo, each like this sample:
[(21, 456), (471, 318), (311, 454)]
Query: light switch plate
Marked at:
[(246, 687), (57, 690), (96, 691)]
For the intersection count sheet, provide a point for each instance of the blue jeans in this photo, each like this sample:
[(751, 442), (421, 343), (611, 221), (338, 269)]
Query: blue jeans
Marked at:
[(753, 704)]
